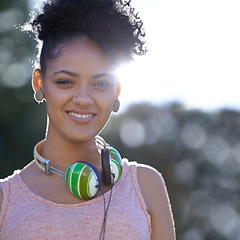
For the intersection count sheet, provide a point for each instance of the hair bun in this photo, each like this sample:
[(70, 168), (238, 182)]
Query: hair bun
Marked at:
[(112, 24)]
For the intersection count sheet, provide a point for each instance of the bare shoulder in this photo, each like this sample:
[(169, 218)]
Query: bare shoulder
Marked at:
[(152, 185), (149, 172), (155, 195)]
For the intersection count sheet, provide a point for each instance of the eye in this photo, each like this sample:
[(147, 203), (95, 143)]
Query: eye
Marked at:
[(102, 84), (64, 82)]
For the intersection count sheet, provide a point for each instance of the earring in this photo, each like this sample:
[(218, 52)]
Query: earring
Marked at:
[(116, 106), (38, 95)]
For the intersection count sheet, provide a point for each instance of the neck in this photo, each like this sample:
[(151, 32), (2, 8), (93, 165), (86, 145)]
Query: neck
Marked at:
[(63, 153)]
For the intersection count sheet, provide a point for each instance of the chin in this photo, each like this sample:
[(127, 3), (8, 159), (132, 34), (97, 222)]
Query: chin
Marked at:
[(83, 137)]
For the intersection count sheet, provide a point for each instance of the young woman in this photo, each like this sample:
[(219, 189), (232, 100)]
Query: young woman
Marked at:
[(78, 187)]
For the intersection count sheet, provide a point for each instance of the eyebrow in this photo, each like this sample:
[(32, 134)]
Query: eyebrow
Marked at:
[(72, 74), (104, 75), (66, 72)]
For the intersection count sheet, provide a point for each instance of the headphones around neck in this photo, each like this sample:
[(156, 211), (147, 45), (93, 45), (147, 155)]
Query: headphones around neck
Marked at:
[(82, 178)]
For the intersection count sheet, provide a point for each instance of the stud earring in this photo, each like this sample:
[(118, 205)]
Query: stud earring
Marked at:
[(116, 106), (38, 95)]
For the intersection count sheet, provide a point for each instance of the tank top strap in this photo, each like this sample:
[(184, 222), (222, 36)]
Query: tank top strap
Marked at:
[(133, 169), (4, 185)]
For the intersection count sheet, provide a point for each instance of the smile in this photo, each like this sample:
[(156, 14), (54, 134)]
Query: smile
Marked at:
[(81, 116)]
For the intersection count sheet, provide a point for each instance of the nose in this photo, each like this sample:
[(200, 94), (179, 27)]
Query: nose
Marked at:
[(83, 96)]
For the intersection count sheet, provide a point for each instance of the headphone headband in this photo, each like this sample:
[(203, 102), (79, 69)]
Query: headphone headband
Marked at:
[(45, 165)]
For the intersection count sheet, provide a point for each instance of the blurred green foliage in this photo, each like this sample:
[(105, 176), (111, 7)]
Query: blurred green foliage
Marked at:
[(198, 153)]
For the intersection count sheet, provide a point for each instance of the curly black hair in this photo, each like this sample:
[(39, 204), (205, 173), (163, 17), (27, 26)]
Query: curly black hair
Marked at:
[(113, 25)]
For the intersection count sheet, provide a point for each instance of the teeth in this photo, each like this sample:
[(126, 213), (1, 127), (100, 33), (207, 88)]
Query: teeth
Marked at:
[(81, 115)]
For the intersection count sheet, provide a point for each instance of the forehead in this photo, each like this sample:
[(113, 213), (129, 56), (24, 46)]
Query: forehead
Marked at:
[(81, 55)]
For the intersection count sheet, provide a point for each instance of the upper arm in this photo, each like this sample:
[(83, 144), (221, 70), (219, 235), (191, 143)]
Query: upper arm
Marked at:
[(156, 198)]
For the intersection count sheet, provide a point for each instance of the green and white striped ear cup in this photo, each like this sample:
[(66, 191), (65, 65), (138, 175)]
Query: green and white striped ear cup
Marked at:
[(83, 180), (116, 162)]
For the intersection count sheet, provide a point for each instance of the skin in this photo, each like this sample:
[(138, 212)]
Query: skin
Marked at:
[(81, 81)]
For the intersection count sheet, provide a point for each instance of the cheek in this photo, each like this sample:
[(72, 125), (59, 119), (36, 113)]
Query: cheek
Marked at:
[(54, 104), (107, 102), (54, 95)]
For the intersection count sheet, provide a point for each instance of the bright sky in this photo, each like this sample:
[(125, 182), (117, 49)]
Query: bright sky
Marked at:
[(194, 54)]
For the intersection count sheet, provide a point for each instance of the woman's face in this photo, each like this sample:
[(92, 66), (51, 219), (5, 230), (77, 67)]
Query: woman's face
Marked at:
[(80, 90)]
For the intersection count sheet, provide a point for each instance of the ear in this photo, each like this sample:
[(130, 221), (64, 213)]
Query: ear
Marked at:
[(37, 81), (118, 88)]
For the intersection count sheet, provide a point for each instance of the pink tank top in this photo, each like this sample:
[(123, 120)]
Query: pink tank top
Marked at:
[(27, 216)]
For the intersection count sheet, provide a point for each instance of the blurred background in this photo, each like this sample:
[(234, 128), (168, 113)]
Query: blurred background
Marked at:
[(179, 107)]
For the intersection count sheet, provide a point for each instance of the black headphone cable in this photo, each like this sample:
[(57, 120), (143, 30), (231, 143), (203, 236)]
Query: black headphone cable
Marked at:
[(102, 234)]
